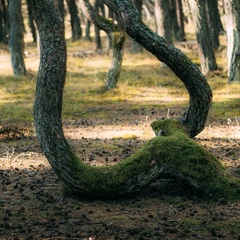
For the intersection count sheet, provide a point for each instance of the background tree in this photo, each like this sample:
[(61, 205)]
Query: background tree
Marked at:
[(4, 22), (97, 37), (75, 20), (115, 35), (163, 16), (179, 30), (16, 43), (232, 15), (214, 22), (32, 25), (206, 53)]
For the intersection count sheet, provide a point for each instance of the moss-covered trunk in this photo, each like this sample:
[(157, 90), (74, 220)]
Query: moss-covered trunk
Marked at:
[(173, 155)]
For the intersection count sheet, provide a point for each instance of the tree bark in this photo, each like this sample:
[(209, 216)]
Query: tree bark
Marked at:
[(232, 16), (196, 84), (75, 20), (173, 155), (118, 41), (106, 25), (31, 25), (163, 19), (4, 22), (117, 57), (16, 43), (180, 34), (60, 6), (214, 22), (135, 47), (206, 53)]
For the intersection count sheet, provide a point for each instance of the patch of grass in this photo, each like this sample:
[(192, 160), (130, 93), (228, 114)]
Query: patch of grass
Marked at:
[(190, 222), (226, 108), (143, 82)]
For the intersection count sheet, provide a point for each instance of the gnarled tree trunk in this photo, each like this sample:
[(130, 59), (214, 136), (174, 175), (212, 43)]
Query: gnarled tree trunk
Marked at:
[(196, 84), (174, 154)]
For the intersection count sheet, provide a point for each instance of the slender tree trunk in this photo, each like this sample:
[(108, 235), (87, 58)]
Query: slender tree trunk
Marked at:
[(5, 21), (106, 25), (214, 22), (163, 19), (87, 30), (118, 41), (116, 65), (16, 43), (75, 20), (232, 16), (1, 23), (206, 53), (32, 25), (180, 35)]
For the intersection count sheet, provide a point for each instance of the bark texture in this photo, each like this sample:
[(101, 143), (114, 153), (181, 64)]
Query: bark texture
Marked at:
[(232, 15), (180, 33), (117, 57), (75, 20), (206, 53), (163, 17), (16, 43), (214, 22), (195, 82), (173, 154)]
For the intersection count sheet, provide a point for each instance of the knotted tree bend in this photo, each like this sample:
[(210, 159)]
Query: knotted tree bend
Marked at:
[(174, 154)]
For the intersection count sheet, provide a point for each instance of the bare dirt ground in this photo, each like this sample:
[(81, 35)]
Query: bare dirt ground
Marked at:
[(33, 204)]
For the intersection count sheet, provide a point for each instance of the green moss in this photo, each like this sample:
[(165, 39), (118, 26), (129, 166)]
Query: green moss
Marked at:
[(174, 155)]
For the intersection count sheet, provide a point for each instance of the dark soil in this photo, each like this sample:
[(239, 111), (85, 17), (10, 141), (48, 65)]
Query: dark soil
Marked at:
[(33, 204)]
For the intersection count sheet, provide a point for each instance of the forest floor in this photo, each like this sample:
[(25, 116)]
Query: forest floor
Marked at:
[(104, 128), (34, 206)]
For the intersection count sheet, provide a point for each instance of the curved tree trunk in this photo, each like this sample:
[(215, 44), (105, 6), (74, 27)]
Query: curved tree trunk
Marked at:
[(196, 84), (173, 155), (16, 43), (232, 15)]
